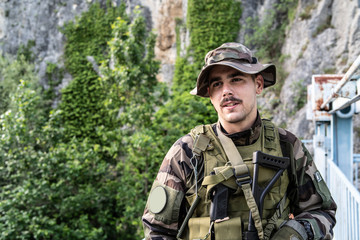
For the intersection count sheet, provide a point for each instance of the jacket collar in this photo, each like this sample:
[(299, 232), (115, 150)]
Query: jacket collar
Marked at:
[(246, 137)]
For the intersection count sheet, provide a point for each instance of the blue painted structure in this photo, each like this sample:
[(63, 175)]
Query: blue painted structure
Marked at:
[(342, 140), (332, 102)]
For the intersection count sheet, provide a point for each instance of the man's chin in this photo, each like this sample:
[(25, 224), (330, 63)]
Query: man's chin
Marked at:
[(235, 119)]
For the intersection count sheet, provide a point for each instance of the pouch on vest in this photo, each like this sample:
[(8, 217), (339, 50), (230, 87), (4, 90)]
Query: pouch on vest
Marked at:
[(230, 229), (198, 227)]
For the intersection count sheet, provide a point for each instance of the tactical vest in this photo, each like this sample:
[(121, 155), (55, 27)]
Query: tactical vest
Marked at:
[(275, 209)]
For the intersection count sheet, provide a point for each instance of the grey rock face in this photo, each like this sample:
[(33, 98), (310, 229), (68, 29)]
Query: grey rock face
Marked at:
[(23, 21), (312, 51)]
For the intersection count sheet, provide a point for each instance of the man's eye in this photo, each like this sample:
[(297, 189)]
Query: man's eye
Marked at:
[(216, 84), (236, 79)]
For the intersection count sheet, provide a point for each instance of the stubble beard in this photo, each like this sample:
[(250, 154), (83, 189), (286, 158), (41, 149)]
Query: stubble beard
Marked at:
[(239, 116)]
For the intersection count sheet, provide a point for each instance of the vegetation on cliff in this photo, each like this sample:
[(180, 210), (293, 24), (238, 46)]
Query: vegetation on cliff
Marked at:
[(84, 169)]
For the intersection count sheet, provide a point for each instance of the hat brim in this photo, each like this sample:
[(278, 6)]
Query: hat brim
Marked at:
[(268, 72)]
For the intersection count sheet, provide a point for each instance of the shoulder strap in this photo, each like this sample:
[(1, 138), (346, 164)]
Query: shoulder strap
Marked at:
[(200, 144), (229, 147), (242, 175), (270, 135), (201, 141)]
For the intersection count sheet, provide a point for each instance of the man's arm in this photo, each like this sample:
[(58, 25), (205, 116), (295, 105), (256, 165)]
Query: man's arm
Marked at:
[(316, 205), (312, 203), (172, 175)]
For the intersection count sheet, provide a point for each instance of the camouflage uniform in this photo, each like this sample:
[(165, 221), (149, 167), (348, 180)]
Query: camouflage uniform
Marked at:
[(311, 203), (307, 202)]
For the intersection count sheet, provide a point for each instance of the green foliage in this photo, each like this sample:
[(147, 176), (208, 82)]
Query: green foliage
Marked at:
[(269, 34), (130, 76), (207, 31), (330, 70), (83, 171), (68, 195), (87, 36), (55, 186), (53, 77), (25, 52), (133, 94), (300, 94), (268, 37), (11, 71), (210, 23), (323, 27), (306, 14)]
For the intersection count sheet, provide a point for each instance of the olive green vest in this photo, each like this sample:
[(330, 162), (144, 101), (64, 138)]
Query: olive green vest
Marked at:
[(238, 210)]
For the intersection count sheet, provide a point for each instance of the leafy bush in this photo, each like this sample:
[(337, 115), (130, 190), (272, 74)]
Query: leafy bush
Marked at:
[(11, 71), (57, 184), (81, 102)]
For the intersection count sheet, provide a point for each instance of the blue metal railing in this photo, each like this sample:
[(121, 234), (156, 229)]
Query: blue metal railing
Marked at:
[(357, 169)]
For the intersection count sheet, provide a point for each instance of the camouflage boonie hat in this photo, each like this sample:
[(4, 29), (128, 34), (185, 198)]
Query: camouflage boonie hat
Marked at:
[(237, 56)]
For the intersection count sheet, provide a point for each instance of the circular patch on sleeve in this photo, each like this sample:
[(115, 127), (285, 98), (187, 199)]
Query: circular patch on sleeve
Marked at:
[(157, 200)]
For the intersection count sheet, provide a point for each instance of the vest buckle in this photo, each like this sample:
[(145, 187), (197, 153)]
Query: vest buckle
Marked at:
[(243, 179)]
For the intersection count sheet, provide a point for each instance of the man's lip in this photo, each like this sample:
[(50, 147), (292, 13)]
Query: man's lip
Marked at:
[(230, 104)]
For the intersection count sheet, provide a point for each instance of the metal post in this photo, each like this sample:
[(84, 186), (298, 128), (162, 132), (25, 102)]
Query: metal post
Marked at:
[(322, 144), (342, 140)]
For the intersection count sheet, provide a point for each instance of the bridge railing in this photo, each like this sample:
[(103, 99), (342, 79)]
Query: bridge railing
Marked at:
[(347, 198), (357, 169)]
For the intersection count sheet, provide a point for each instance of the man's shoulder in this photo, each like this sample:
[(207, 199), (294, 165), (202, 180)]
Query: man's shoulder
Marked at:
[(183, 143), (204, 128), (284, 135), (287, 136), (186, 142)]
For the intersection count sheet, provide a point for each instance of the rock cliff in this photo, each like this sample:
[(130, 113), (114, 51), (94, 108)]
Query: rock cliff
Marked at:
[(324, 37)]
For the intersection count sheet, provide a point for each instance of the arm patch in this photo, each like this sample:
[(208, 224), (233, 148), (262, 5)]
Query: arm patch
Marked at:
[(164, 203)]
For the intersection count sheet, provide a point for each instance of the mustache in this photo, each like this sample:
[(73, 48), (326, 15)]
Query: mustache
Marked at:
[(231, 98)]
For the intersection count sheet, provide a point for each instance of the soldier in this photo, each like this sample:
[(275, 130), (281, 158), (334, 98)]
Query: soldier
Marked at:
[(203, 187)]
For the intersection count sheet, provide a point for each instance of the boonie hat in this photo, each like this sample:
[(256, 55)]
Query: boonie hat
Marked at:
[(237, 56)]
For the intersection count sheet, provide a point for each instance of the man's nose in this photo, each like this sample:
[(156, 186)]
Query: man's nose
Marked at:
[(227, 90)]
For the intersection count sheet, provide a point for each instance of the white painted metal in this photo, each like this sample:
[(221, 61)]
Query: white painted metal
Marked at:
[(347, 198), (346, 78)]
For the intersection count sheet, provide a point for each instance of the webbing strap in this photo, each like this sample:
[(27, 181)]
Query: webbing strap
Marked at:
[(200, 144), (221, 174), (253, 208), (269, 133), (273, 222), (240, 169), (224, 175), (230, 149)]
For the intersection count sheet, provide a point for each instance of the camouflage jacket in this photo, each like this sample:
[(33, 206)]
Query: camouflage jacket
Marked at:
[(308, 202)]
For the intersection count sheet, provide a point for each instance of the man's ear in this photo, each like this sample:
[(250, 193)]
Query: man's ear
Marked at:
[(259, 83)]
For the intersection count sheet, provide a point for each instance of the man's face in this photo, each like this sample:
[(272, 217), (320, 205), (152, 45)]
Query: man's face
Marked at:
[(233, 95)]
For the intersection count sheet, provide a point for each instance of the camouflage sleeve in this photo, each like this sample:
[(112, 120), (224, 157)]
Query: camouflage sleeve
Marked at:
[(163, 224), (310, 196)]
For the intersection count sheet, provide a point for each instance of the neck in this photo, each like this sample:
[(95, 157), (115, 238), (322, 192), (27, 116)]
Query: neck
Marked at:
[(240, 126)]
